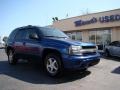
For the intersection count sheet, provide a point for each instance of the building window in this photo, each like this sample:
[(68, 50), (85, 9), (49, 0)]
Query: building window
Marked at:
[(75, 35), (92, 36), (100, 37)]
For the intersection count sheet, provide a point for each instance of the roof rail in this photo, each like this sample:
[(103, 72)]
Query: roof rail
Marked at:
[(28, 26)]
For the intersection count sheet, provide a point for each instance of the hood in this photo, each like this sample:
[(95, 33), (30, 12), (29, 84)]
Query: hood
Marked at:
[(68, 41)]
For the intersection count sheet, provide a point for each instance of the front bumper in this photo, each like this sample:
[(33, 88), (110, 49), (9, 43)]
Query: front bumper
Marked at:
[(80, 62)]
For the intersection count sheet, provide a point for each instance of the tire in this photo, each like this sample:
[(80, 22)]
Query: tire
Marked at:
[(53, 65), (11, 58)]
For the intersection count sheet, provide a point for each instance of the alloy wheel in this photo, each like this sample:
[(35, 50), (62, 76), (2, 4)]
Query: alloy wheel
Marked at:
[(52, 65)]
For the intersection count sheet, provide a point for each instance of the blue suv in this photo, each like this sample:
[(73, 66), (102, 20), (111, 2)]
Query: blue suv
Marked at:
[(53, 48)]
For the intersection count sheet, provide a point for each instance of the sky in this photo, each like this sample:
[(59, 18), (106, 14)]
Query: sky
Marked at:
[(17, 13)]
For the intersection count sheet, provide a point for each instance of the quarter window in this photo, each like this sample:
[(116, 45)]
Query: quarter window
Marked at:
[(12, 35)]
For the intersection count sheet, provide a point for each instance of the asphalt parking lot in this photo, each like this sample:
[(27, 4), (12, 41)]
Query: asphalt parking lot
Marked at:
[(24, 76)]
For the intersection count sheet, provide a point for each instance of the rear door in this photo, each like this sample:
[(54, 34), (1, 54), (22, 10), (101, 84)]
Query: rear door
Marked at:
[(19, 42)]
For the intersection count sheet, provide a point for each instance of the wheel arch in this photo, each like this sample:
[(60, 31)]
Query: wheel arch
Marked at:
[(53, 51)]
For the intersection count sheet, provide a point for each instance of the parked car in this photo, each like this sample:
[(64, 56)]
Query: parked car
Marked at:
[(113, 49), (1, 46), (53, 48)]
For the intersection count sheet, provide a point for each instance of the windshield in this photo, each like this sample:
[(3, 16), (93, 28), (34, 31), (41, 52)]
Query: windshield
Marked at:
[(51, 32)]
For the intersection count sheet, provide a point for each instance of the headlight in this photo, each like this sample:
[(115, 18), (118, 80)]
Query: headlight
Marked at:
[(74, 49)]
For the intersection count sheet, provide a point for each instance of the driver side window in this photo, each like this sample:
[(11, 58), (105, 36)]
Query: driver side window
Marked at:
[(32, 34)]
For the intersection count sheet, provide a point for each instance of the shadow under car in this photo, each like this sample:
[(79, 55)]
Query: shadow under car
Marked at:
[(33, 73), (116, 70)]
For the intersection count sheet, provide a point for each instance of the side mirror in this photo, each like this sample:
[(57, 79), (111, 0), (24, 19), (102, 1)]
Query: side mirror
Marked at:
[(33, 36)]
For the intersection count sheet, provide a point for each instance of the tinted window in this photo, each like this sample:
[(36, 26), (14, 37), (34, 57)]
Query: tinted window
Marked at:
[(51, 32), (12, 35), (31, 32), (21, 34), (115, 43)]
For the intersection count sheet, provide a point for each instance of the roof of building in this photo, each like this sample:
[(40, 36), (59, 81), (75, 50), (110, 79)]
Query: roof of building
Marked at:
[(88, 14)]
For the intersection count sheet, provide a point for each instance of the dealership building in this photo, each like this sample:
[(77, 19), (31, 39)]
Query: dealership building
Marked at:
[(99, 28)]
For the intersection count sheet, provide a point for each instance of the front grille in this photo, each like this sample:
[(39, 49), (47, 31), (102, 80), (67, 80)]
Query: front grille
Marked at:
[(88, 47), (89, 53)]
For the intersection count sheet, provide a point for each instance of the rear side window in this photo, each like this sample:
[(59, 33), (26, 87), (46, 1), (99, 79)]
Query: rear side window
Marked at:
[(21, 34)]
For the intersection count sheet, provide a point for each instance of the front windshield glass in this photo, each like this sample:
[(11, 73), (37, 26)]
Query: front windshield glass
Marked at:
[(52, 32)]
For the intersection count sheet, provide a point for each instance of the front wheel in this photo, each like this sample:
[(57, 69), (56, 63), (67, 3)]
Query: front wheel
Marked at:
[(53, 65), (11, 58)]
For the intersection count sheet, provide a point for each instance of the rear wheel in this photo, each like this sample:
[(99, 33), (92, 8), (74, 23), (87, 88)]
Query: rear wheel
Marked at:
[(11, 58), (53, 65)]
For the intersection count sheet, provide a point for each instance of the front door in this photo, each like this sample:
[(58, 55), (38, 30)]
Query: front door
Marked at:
[(32, 45)]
